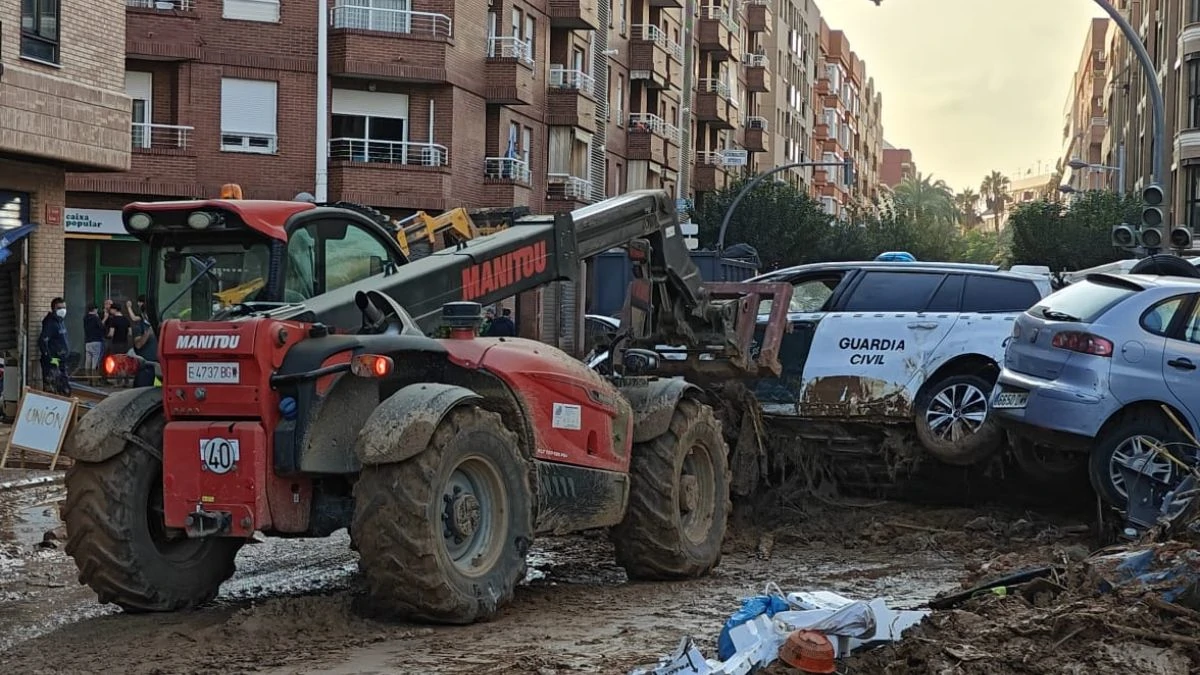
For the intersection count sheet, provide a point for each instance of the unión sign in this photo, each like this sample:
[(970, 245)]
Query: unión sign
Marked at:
[(41, 424)]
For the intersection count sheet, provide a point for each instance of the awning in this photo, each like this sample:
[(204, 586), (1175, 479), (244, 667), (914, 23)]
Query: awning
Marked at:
[(12, 236)]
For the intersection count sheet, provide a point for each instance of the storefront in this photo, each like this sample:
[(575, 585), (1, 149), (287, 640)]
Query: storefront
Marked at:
[(103, 262), (15, 228)]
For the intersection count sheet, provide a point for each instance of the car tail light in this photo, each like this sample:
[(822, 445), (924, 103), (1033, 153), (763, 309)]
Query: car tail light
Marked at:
[(1084, 343), (110, 366)]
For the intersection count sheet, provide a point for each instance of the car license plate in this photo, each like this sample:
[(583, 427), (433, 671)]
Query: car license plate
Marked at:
[(1011, 399), (213, 373)]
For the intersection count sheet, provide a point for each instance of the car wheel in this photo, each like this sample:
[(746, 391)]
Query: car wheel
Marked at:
[(1045, 465), (954, 422), (1131, 441)]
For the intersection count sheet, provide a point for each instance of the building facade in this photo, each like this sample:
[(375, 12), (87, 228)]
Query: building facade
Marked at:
[(1085, 122), (896, 165), (62, 108), (847, 126), (789, 111)]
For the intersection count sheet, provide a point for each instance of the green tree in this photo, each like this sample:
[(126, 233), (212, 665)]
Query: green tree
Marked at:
[(786, 226), (967, 203), (921, 198), (1070, 237), (994, 189)]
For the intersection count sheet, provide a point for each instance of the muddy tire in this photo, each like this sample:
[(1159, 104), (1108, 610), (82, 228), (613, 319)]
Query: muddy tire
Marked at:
[(678, 500), (1045, 465), (113, 516), (442, 537), (953, 420), (1126, 439)]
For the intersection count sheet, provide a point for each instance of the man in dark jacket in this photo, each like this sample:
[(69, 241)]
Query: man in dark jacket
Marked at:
[(54, 348), (502, 326)]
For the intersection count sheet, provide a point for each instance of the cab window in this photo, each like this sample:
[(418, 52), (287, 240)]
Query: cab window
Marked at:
[(894, 292), (329, 254), (809, 294)]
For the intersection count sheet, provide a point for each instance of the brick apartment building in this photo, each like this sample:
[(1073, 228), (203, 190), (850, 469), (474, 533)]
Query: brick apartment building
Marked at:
[(789, 111), (848, 125), (897, 165), (62, 107), (1085, 122)]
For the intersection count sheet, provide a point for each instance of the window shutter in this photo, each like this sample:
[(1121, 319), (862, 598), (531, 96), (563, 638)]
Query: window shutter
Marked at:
[(248, 106), (370, 104), (138, 85), (252, 10)]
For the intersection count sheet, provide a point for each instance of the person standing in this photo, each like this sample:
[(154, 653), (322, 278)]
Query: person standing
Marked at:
[(503, 325), (52, 344), (118, 332), (93, 340), (145, 343)]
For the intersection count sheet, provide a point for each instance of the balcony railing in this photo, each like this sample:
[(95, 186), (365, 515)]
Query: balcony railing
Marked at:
[(713, 157), (162, 5), (756, 123), (648, 32), (755, 60), (719, 14), (709, 85), (506, 168), (148, 136), (388, 152), (563, 78), (508, 47), (754, 2), (569, 187), (650, 123), (424, 24)]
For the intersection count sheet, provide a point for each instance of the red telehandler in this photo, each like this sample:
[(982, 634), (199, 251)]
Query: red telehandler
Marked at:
[(317, 403)]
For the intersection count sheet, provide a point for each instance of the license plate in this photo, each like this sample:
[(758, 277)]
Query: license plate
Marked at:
[(213, 373), (1011, 399)]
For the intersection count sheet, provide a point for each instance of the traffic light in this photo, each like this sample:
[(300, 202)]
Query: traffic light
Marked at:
[(1152, 217), (1124, 236), (1181, 237)]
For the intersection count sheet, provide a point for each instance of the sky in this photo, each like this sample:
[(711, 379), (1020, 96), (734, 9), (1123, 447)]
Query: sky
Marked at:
[(969, 85)]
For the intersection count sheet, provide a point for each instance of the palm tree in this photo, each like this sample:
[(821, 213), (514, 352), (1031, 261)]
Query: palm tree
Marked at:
[(923, 198), (995, 194), (968, 203)]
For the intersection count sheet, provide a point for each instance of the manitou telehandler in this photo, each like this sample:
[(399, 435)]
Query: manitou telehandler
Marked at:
[(443, 457)]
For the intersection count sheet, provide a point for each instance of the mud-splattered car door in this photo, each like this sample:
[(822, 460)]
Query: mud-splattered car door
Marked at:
[(812, 292), (876, 339)]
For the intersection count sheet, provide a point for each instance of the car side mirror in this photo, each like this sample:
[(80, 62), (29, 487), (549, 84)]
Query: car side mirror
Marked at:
[(639, 361)]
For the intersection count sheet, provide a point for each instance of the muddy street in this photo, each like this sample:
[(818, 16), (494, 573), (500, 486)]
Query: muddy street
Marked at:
[(291, 606)]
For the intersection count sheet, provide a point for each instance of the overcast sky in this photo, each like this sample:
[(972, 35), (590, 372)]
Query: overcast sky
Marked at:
[(969, 85)]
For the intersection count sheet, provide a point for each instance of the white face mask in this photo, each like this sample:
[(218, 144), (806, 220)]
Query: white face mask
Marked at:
[(61, 312)]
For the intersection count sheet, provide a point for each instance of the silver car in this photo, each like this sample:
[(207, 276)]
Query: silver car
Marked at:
[(1088, 369)]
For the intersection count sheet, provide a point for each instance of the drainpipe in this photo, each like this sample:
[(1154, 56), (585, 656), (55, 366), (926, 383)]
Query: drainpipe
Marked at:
[(322, 177)]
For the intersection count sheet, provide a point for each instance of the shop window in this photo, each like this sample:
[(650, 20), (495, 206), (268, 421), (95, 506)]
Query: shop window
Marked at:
[(124, 254)]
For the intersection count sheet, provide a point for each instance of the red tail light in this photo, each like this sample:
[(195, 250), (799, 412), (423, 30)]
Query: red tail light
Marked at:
[(110, 366), (1084, 343)]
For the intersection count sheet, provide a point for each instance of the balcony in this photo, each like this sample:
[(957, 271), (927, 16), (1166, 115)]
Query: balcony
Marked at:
[(713, 104), (164, 30), (562, 187), (160, 138), (667, 4), (758, 80), (571, 101), (510, 76), (506, 169), (650, 55), (758, 16), (717, 33), (710, 174), (755, 137), (577, 15), (388, 44), (162, 164), (394, 174), (650, 137)]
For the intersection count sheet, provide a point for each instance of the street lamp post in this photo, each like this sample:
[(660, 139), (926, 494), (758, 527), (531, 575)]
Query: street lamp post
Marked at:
[(748, 187), (1079, 164)]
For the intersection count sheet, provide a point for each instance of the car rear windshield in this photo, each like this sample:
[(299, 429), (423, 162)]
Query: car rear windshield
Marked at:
[(1083, 301)]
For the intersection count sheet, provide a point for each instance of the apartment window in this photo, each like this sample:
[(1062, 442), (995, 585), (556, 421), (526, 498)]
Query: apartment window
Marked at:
[(39, 30), (140, 88), (621, 20), (266, 11), (1193, 93), (373, 127), (619, 104), (526, 144), (248, 115), (1192, 208), (579, 60), (530, 35)]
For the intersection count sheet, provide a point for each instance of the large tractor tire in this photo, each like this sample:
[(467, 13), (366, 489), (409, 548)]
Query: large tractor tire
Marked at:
[(442, 537), (678, 501), (116, 535)]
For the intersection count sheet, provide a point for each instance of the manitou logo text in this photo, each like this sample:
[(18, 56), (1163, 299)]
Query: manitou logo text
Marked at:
[(503, 271), (207, 341)]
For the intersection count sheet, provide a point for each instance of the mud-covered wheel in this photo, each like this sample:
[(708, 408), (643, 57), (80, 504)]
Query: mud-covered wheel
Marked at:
[(953, 421), (1046, 465), (124, 552), (678, 499), (442, 537), (1132, 441)]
